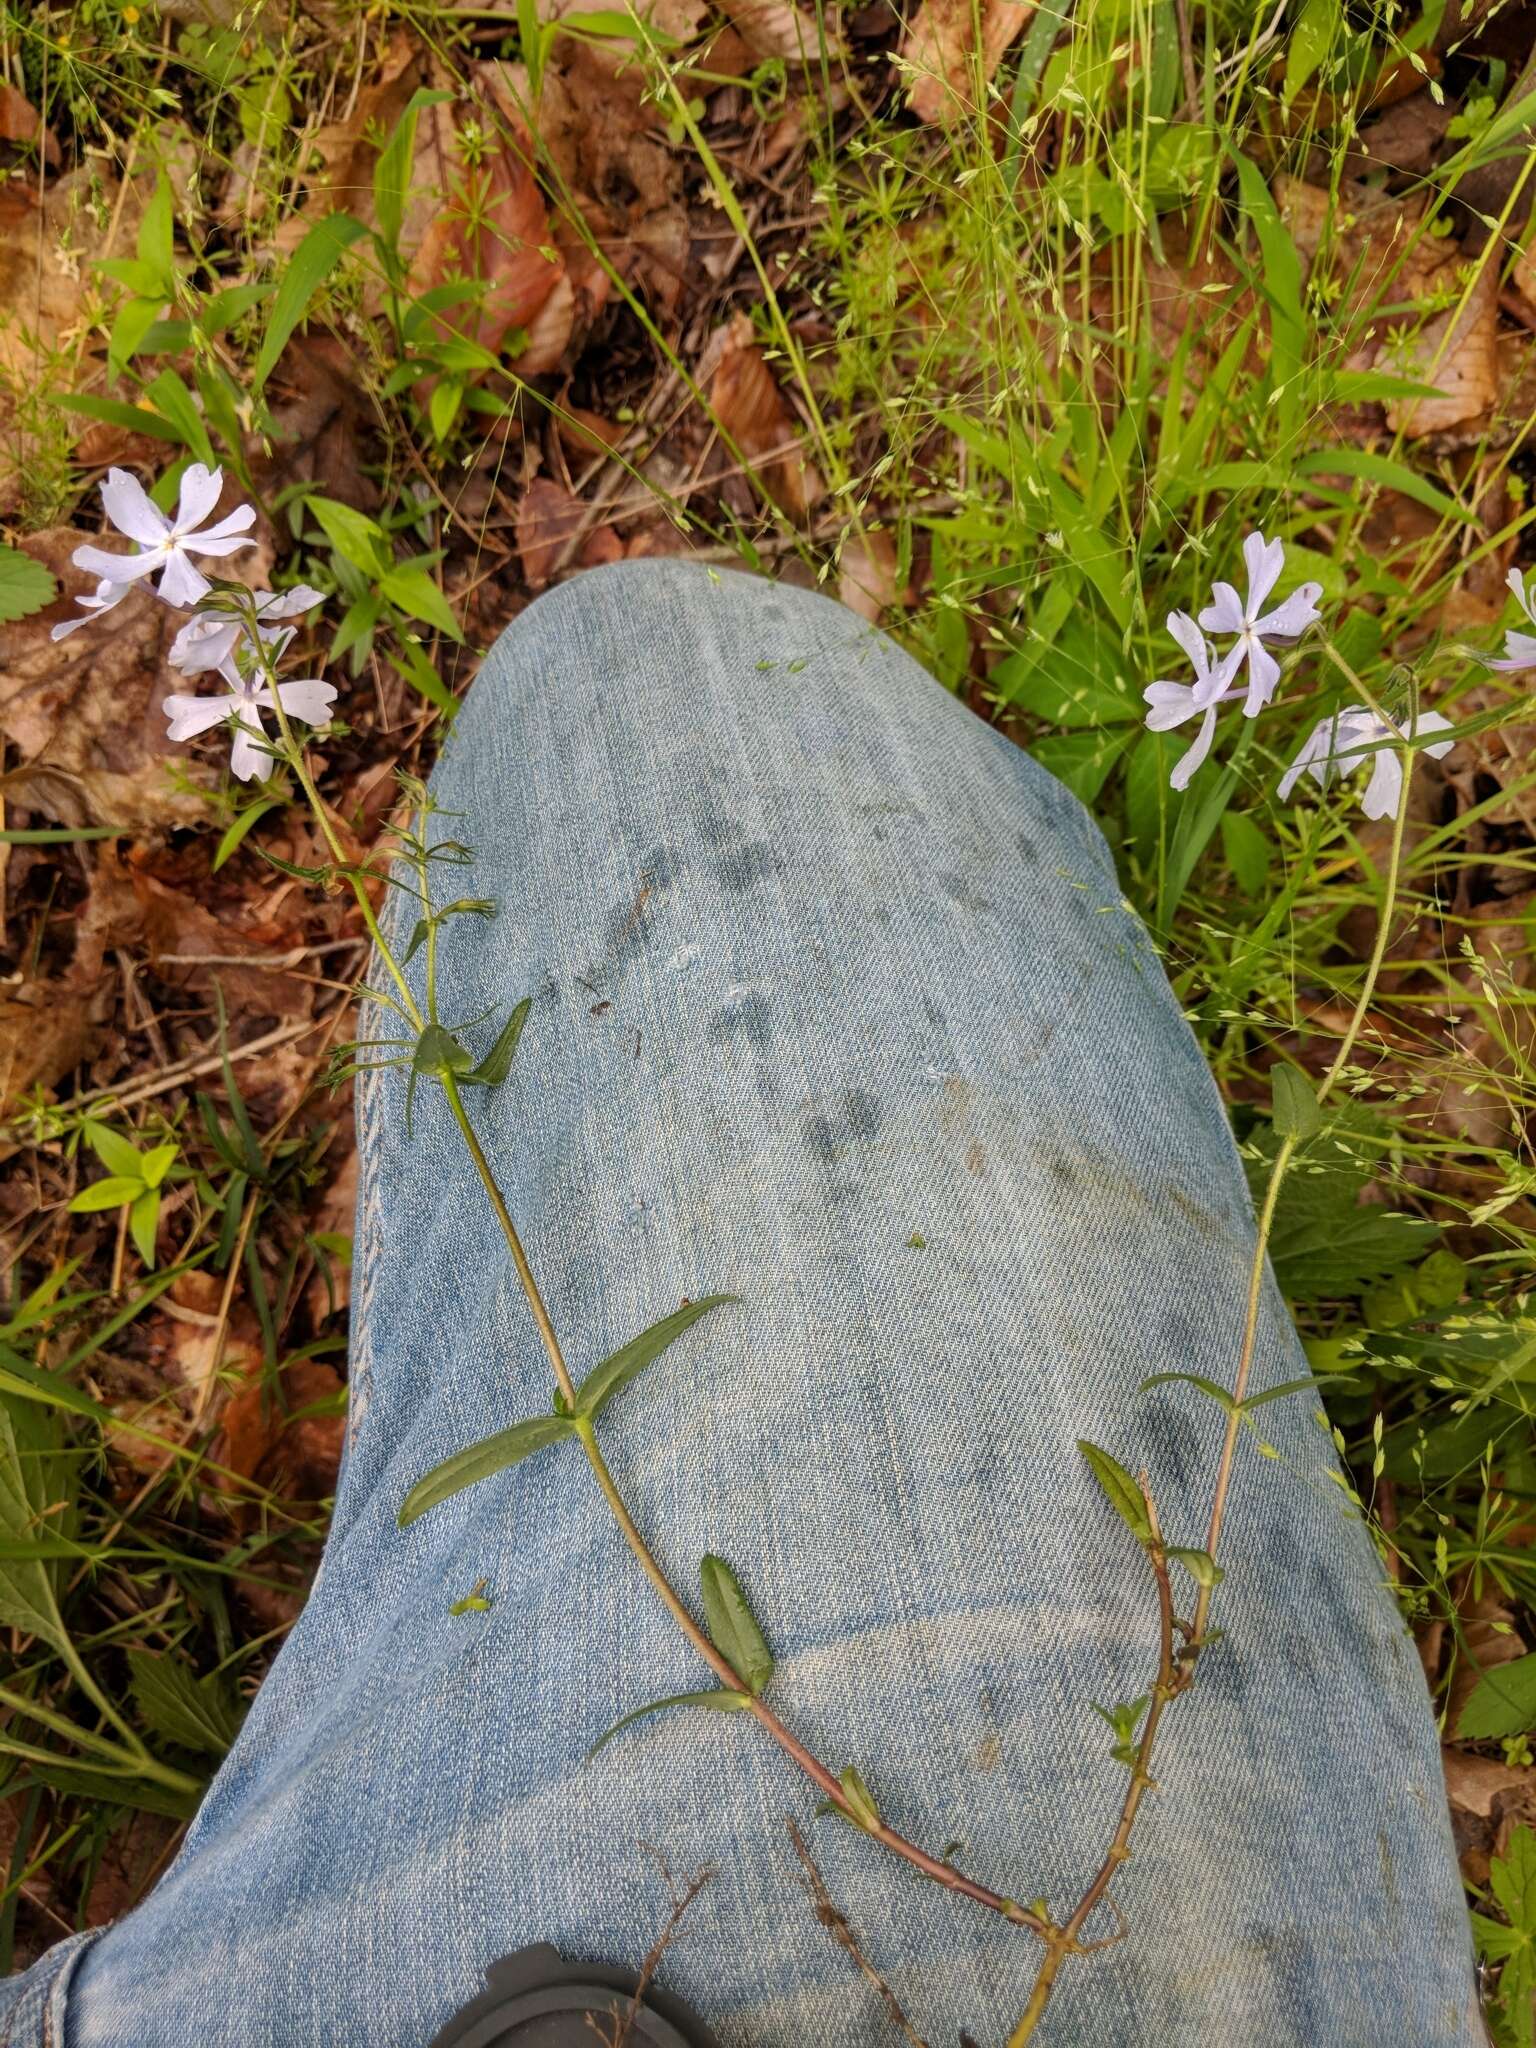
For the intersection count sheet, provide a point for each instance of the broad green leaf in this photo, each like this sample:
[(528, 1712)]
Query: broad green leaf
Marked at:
[(170, 396), (158, 1161), (1248, 851), (1382, 470), (494, 1068), (1503, 1702), (1297, 1113), (1207, 1387), (156, 238), (1200, 1565), (392, 167), (144, 1222), (303, 274), (114, 1151), (117, 413), (106, 1789), (626, 1364), (355, 537), (719, 1699), (182, 1709), (25, 586), (414, 590), (234, 835), (733, 1627), (483, 1460), (110, 1193), (1120, 1490), (1311, 38)]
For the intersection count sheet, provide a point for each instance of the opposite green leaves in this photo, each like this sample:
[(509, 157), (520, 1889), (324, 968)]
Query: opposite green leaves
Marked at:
[(1120, 1490), (480, 1461)]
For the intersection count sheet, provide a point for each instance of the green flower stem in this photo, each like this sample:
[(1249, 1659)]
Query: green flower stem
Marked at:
[(825, 1781), (111, 1758), (1176, 1673)]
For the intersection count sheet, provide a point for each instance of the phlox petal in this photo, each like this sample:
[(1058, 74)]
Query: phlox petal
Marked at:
[(187, 715), (1264, 560), (131, 509), (1224, 613), (1516, 582), (181, 585), (1519, 652), (1171, 704), (102, 599), (204, 643), (1263, 674), (227, 538), (1312, 758), (1384, 792), (115, 568), (1431, 721), (1186, 767), (1292, 617), (307, 697), (246, 759), (200, 491)]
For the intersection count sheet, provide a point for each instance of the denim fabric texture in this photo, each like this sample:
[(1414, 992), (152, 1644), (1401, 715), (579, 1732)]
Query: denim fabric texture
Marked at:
[(837, 1006)]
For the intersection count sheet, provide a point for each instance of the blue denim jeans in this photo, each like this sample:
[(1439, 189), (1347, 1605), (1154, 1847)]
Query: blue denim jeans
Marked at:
[(838, 1007)]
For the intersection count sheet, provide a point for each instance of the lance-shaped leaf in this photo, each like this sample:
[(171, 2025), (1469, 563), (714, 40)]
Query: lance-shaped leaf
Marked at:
[(496, 1065), (616, 1372), (719, 1699), (1120, 1490), (733, 1627), (481, 1461), (1207, 1387)]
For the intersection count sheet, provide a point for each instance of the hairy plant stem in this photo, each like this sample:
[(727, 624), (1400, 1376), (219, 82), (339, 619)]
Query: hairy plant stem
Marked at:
[(1176, 1670)]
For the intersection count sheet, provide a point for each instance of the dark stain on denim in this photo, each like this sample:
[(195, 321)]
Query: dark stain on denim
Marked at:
[(933, 1013), (858, 1117), (1205, 1221), (745, 869), (1027, 847), (1298, 1973), (960, 891), (751, 1019), (1172, 1441), (713, 826), (629, 927)]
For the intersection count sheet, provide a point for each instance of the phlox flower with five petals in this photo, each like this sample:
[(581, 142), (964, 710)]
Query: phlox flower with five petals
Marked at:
[(162, 546)]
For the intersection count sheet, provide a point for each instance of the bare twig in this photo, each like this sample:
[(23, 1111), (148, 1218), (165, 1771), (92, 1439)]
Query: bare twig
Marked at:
[(837, 1926), (620, 2026)]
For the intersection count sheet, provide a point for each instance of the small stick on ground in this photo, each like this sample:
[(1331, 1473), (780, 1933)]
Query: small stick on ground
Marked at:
[(837, 1926), (620, 2026)]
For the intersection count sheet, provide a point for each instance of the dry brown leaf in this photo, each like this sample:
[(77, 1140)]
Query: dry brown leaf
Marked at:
[(1458, 353), (84, 713), (867, 577), (488, 221), (21, 122), (268, 1439), (939, 53), (775, 28), (754, 418), (342, 181), (546, 520), (1488, 1801), (588, 433)]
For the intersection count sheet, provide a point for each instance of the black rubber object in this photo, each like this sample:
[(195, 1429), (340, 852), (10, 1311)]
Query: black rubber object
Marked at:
[(535, 1999)]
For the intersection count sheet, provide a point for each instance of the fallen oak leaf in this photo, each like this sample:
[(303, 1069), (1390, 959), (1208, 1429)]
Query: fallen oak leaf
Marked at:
[(940, 55), (754, 418)]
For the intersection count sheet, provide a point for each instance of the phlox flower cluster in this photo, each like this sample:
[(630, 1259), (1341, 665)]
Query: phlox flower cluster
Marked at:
[(1352, 739), (212, 642)]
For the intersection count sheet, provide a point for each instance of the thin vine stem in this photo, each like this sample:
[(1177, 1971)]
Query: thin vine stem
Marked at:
[(1176, 1671)]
